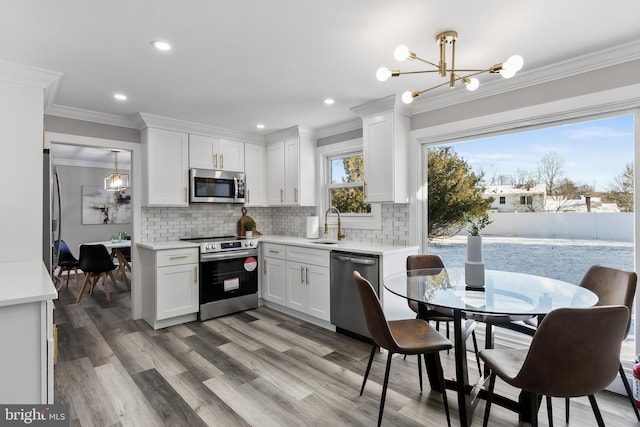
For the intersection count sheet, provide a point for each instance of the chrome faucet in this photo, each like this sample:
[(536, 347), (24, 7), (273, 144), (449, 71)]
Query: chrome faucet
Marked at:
[(341, 235)]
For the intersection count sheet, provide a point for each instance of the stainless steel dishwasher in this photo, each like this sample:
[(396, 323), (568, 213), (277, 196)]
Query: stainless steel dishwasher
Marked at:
[(346, 309)]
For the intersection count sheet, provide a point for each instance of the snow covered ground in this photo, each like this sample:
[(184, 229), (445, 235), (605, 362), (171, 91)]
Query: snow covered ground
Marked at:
[(563, 259)]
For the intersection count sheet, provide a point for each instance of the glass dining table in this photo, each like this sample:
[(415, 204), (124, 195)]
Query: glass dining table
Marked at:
[(506, 296)]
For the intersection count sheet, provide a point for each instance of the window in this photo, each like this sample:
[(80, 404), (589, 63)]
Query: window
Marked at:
[(526, 200), (346, 186), (342, 180), (503, 200)]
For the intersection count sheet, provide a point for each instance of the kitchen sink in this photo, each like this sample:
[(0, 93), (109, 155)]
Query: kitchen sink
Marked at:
[(325, 242)]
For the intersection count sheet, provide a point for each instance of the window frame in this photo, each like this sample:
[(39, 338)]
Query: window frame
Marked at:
[(358, 221)]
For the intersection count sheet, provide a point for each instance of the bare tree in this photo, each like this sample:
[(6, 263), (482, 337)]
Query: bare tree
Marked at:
[(550, 171), (524, 179)]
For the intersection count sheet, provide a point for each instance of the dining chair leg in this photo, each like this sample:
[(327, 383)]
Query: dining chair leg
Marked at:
[(384, 388), (443, 387), (75, 270), (366, 374), (106, 285), (420, 371), (596, 410), (475, 348), (487, 407), (627, 387), (84, 286), (534, 409), (549, 411), (566, 410)]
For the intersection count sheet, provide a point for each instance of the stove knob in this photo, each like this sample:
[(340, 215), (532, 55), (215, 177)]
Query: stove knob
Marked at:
[(214, 246), (207, 246)]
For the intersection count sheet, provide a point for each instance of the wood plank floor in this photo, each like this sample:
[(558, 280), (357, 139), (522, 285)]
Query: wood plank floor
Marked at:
[(256, 368)]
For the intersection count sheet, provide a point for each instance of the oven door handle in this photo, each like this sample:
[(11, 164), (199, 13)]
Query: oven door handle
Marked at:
[(227, 255)]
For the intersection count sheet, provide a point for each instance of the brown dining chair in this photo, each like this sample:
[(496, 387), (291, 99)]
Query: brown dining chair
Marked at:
[(409, 336), (96, 264), (422, 261), (574, 352), (613, 287)]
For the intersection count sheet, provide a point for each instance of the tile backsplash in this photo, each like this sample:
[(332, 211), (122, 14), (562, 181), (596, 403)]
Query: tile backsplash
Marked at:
[(163, 224)]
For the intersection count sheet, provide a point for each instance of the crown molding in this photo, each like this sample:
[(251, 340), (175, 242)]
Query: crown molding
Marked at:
[(382, 105), (31, 76), (293, 131), (90, 116), (144, 120), (616, 55), (339, 128)]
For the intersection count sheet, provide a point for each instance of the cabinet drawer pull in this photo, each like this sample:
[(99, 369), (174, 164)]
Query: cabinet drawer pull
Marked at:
[(274, 251), (178, 256)]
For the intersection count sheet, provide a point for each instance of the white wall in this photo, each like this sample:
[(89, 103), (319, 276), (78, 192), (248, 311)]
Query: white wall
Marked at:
[(566, 225)]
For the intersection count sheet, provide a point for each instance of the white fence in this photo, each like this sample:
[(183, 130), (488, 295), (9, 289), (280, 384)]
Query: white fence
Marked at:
[(568, 225)]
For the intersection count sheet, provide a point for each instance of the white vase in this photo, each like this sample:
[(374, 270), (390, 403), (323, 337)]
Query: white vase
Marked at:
[(474, 267)]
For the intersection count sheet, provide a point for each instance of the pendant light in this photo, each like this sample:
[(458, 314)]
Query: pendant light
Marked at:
[(116, 181)]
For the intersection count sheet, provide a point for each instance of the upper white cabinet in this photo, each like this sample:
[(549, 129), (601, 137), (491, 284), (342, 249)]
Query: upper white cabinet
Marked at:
[(291, 175), (385, 136), (255, 162), (165, 167), (206, 152)]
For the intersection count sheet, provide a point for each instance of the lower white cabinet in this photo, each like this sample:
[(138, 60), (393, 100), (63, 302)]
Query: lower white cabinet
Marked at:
[(297, 278), (273, 273), (169, 286)]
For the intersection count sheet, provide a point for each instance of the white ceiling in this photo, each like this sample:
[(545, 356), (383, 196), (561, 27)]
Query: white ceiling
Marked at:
[(237, 63)]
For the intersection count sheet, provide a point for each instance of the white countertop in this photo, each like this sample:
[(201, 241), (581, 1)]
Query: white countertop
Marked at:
[(343, 245), (25, 281), (159, 246)]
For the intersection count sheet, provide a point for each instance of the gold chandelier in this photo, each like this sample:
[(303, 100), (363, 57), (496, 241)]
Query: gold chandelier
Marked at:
[(116, 181), (446, 39)]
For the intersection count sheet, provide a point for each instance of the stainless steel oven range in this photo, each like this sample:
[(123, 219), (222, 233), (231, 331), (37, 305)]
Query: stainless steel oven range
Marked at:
[(228, 275)]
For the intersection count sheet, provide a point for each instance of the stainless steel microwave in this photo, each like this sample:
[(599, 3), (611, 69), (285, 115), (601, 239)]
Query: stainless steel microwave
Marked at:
[(216, 186)]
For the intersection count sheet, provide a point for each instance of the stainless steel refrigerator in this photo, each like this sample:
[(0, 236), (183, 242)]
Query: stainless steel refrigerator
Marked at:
[(51, 227)]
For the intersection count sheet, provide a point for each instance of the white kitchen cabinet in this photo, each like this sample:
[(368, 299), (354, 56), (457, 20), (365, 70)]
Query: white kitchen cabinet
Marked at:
[(26, 333), (273, 273), (255, 162), (165, 165), (385, 136), (169, 286), (207, 152), (291, 169), (308, 281)]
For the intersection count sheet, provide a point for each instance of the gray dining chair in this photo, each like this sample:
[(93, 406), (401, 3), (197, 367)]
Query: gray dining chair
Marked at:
[(574, 352)]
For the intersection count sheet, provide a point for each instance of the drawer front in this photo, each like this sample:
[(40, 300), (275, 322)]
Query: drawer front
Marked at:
[(273, 250), (318, 257), (170, 257)]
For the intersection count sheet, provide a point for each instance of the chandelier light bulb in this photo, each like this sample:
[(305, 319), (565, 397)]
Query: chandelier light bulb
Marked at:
[(401, 53), (383, 74), (407, 97), (473, 84), (512, 66)]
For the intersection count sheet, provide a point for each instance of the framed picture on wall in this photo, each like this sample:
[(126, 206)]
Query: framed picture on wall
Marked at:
[(105, 207)]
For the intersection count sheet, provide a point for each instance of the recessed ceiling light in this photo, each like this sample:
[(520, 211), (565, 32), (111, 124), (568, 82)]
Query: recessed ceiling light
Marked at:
[(260, 126), (120, 96), (160, 45), (329, 101)]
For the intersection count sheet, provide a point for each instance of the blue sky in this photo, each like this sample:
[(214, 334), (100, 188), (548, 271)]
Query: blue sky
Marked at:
[(595, 152)]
